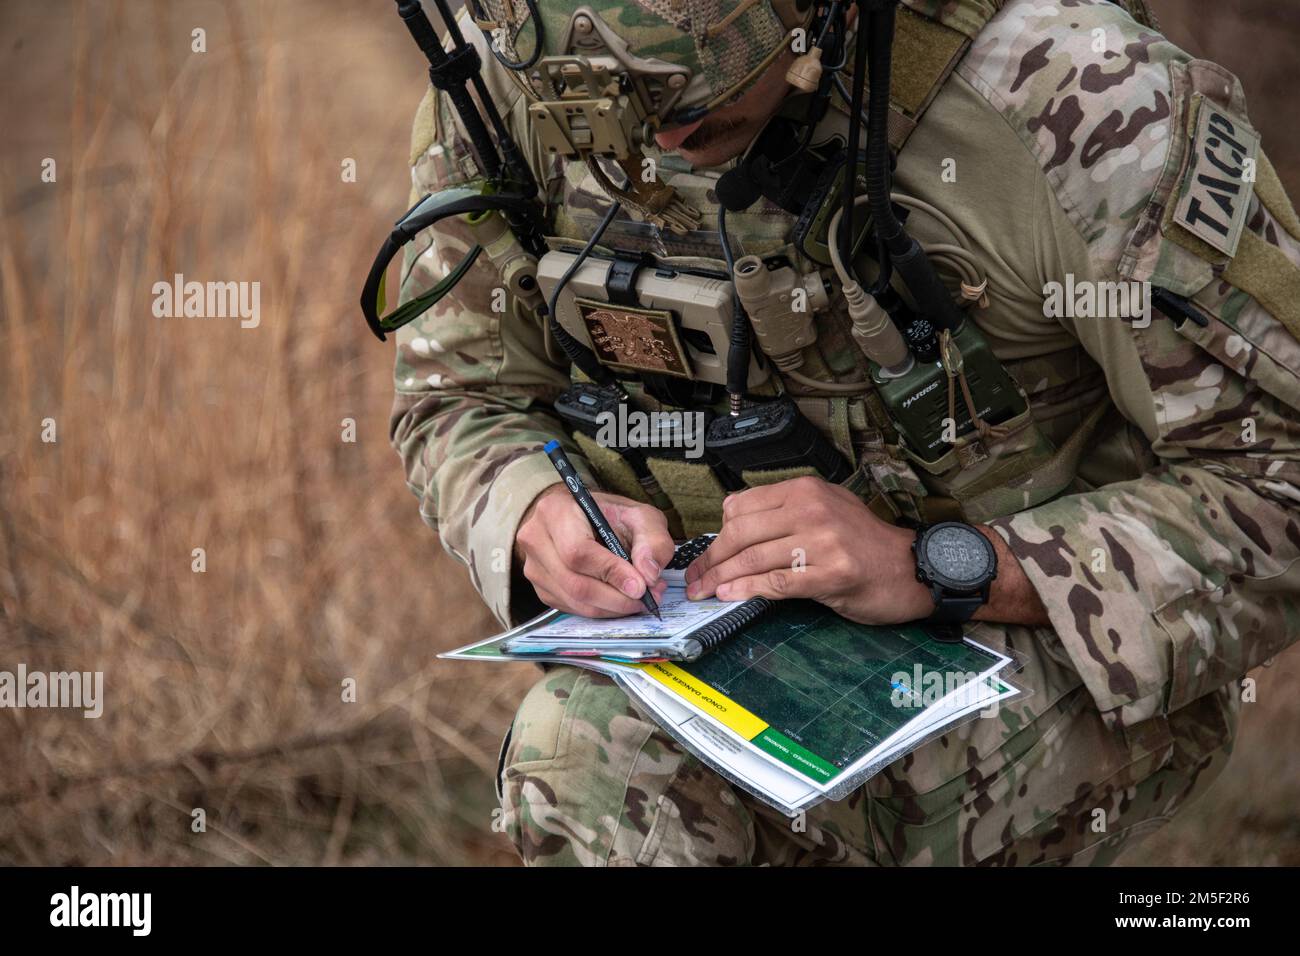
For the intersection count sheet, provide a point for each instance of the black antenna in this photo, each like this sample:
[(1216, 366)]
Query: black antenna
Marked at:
[(449, 72), (876, 20), (519, 170), (453, 72)]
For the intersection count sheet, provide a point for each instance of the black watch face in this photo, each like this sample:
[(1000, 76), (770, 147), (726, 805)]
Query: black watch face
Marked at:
[(961, 555)]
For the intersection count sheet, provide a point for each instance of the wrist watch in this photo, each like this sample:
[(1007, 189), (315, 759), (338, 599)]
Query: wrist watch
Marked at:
[(958, 565)]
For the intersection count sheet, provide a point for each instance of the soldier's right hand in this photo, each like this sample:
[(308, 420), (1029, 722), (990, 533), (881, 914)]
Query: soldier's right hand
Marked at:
[(572, 571)]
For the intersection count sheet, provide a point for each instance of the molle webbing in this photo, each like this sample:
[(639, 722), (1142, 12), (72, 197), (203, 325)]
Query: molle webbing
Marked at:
[(1271, 192), (618, 477), (1140, 11), (1260, 269), (615, 474), (830, 416), (1264, 271), (694, 490), (926, 51), (772, 476), (1006, 494)]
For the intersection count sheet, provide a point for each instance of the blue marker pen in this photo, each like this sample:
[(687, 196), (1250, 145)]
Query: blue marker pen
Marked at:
[(587, 503)]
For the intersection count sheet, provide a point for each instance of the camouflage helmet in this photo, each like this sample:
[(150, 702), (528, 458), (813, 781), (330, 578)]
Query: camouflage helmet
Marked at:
[(681, 58)]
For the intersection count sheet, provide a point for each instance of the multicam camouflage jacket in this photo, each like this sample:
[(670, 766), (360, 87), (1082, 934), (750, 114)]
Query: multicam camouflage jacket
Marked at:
[(1076, 148)]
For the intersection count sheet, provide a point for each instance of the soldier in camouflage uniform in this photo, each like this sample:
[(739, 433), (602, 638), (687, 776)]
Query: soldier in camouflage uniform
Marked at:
[(1157, 543)]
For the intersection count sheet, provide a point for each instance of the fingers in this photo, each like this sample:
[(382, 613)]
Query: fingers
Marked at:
[(761, 498), (753, 560), (739, 533), (800, 506), (807, 492), (587, 575), (645, 529), (572, 571), (563, 589), (587, 557), (565, 603), (778, 584)]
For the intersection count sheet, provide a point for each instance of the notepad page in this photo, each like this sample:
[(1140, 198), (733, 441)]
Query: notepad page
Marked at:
[(681, 616)]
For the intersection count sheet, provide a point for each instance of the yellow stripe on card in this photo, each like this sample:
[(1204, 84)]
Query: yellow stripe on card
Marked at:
[(707, 698)]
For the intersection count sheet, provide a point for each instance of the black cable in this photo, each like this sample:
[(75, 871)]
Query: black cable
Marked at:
[(832, 18), (810, 121), (918, 273), (820, 100), (739, 354), (415, 261), (844, 93), (449, 18), (849, 186), (879, 287), (835, 19), (886, 271), (881, 28), (578, 353), (844, 55)]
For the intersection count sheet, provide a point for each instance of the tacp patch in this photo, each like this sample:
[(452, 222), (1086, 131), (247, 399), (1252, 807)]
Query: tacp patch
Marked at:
[(1215, 194)]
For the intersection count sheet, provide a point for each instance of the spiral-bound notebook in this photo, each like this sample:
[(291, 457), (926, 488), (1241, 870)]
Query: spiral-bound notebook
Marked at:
[(689, 630)]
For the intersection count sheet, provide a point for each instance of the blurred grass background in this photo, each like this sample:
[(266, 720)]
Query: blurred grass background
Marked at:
[(223, 688)]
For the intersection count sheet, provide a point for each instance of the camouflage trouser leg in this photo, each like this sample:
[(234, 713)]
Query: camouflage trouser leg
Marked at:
[(586, 779)]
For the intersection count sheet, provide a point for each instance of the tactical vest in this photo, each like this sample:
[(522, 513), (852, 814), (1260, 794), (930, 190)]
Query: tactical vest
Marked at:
[(976, 481), (1035, 458)]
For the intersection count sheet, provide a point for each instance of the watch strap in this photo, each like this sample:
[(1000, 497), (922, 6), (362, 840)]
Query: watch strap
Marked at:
[(955, 609)]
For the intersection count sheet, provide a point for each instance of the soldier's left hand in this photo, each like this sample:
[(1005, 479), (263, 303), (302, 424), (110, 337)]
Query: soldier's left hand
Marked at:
[(808, 538)]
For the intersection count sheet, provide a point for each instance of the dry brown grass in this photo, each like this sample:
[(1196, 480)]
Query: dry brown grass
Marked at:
[(223, 688)]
